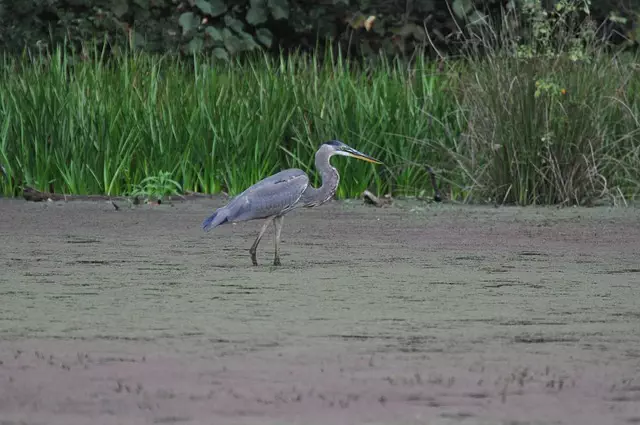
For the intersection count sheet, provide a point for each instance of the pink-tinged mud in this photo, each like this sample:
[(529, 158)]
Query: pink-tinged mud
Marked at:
[(402, 315)]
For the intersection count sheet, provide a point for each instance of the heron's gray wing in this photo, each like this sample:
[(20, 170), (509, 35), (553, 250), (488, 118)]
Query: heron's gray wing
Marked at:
[(273, 195), (277, 178)]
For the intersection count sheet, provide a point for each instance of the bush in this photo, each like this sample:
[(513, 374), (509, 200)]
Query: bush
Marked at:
[(551, 120), (227, 28), (548, 131)]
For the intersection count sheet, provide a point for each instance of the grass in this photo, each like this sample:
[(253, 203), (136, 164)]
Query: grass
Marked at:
[(98, 127), (553, 119), (552, 131), (108, 127)]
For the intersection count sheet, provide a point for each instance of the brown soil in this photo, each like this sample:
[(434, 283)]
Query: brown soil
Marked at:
[(402, 315)]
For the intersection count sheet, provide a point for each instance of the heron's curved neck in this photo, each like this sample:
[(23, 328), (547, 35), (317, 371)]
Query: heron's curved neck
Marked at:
[(330, 180)]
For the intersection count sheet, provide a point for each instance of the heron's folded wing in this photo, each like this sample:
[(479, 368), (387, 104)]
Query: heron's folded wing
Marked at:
[(273, 195), (281, 176)]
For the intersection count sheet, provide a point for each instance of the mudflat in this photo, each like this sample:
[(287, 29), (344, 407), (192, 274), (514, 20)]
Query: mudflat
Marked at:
[(409, 314)]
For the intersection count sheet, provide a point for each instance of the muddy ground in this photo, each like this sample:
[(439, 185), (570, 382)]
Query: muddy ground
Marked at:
[(411, 314)]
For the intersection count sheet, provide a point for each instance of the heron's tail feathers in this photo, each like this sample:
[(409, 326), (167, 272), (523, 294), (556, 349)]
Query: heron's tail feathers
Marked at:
[(217, 218)]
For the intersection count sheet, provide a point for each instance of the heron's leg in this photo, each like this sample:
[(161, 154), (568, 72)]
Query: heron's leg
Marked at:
[(253, 248), (277, 222)]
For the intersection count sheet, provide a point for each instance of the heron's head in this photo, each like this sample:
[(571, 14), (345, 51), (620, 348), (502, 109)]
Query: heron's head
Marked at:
[(338, 148)]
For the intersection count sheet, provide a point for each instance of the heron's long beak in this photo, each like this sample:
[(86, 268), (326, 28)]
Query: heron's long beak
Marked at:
[(359, 155)]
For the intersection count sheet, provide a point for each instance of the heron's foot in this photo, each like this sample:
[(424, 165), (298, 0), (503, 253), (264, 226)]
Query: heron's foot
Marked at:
[(254, 258), (276, 261)]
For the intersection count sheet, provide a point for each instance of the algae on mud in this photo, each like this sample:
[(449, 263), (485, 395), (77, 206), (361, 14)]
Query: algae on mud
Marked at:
[(381, 315)]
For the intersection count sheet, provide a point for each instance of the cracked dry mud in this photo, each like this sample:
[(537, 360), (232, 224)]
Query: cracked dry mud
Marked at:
[(401, 315)]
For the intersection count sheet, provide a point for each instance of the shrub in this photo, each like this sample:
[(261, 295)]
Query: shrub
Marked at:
[(551, 120)]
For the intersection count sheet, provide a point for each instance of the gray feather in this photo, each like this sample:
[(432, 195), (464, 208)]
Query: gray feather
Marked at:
[(273, 195), (280, 193)]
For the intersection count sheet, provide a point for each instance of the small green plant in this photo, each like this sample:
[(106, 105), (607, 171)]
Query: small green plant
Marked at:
[(565, 30), (157, 187), (549, 87)]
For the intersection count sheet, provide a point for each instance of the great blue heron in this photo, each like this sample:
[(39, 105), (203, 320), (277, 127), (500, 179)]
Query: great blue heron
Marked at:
[(276, 195)]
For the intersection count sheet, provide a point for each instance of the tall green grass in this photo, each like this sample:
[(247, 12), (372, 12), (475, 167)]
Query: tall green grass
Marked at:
[(495, 129), (98, 126)]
